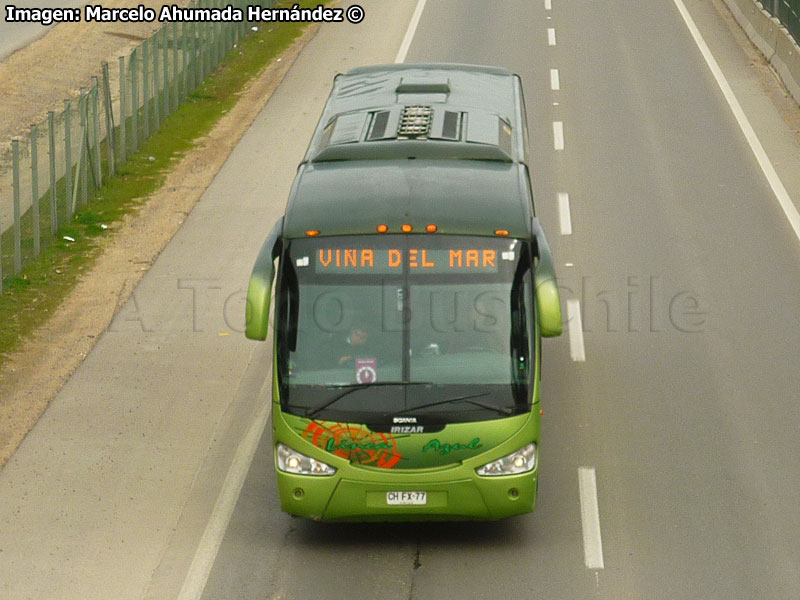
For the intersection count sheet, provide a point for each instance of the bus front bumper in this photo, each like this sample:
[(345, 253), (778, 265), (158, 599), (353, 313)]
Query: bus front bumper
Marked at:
[(349, 498)]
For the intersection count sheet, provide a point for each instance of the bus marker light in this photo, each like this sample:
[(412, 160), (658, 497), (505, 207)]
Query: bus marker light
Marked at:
[(383, 228), (431, 228), (502, 232), (312, 232), (406, 228)]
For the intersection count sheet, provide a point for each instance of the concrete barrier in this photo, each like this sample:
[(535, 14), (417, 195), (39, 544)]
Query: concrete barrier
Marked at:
[(774, 41)]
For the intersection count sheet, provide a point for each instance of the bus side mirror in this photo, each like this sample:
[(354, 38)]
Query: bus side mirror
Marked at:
[(548, 302), (260, 289)]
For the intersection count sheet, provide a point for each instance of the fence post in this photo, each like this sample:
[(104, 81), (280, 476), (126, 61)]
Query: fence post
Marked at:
[(37, 245), (123, 118), (188, 69), (133, 67), (51, 132), (198, 41), (184, 80), (245, 22), (201, 54), (68, 158), (165, 64), (109, 112), (201, 38), (156, 82), (82, 160), (81, 172), (94, 95), (213, 48), (233, 29), (174, 88), (146, 89), (190, 55), (184, 45), (217, 29), (196, 33), (17, 215), (208, 42), (230, 29)]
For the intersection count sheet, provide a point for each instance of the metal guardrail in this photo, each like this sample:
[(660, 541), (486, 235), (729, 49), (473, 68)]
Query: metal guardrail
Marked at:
[(788, 13), (49, 174)]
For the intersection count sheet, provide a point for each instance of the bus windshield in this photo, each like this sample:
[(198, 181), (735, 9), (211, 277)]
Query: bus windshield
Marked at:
[(430, 325)]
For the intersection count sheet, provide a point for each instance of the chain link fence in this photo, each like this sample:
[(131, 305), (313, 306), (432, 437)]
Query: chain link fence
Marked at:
[(788, 13), (52, 172)]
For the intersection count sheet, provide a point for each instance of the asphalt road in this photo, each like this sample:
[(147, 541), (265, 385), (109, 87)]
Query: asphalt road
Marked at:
[(675, 250)]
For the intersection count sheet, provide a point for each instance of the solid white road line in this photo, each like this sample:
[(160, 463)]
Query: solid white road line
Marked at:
[(551, 36), (576, 350), (789, 209), (555, 82), (412, 29), (590, 518), (206, 554), (563, 214), (558, 135)]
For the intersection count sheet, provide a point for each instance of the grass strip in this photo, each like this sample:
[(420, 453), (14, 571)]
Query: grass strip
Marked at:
[(30, 297)]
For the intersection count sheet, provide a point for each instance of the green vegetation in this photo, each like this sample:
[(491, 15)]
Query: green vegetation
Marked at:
[(31, 296)]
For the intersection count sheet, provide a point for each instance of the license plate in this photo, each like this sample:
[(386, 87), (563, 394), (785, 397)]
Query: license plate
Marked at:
[(407, 498)]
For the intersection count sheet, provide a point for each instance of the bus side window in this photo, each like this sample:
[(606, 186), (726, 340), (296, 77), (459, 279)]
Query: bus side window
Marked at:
[(288, 304), (522, 307)]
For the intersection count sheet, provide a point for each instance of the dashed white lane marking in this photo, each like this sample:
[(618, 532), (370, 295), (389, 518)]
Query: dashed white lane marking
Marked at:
[(551, 36), (569, 264), (412, 29), (577, 352), (558, 135), (555, 80), (206, 554), (590, 518), (789, 209), (563, 214), (548, 4)]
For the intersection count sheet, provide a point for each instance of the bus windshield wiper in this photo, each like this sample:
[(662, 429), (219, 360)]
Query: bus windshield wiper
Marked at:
[(468, 399), (352, 387)]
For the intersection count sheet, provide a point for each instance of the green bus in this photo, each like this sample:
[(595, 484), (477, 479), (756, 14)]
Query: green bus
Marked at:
[(414, 284)]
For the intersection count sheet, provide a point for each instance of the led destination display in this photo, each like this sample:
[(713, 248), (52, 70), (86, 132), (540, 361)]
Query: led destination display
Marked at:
[(386, 261)]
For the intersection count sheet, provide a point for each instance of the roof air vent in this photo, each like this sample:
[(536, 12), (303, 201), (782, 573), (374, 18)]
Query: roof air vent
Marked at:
[(415, 121)]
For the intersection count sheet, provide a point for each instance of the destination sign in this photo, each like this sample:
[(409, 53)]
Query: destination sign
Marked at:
[(395, 260)]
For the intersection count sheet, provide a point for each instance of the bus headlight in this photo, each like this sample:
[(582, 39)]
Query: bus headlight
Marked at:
[(521, 461), (292, 461)]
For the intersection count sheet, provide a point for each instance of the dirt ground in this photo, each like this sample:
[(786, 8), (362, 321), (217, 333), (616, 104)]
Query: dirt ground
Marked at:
[(36, 372), (39, 77)]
